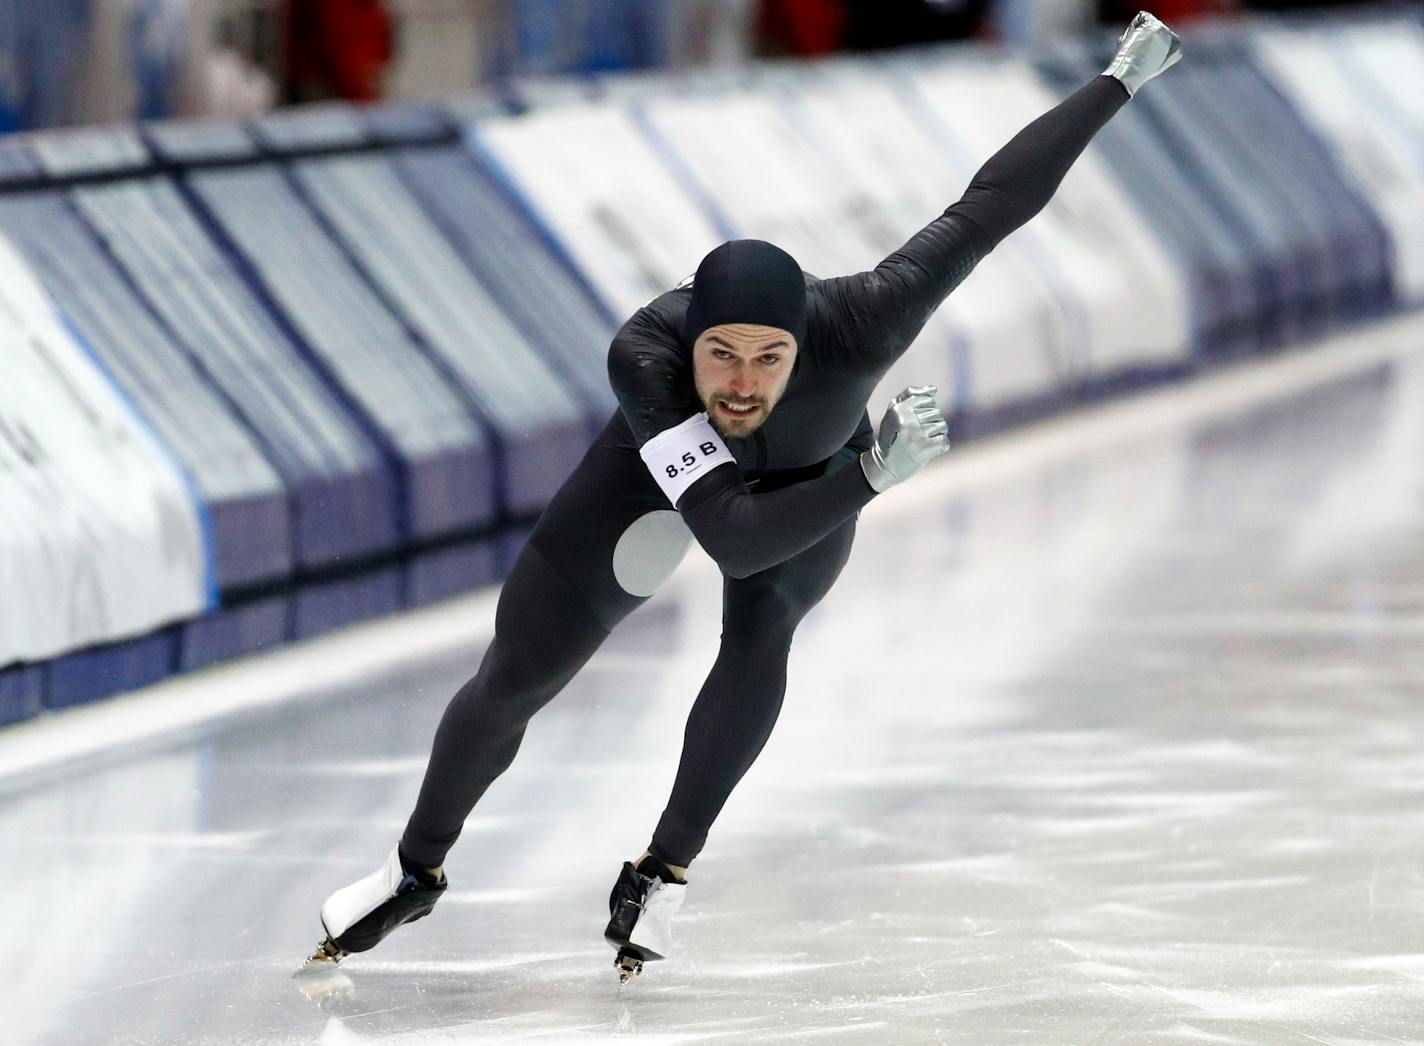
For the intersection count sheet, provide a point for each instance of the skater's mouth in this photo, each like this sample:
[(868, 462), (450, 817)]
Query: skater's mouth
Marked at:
[(739, 410)]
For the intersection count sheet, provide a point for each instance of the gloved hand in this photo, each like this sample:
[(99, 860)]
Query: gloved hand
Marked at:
[(1147, 49), (912, 434)]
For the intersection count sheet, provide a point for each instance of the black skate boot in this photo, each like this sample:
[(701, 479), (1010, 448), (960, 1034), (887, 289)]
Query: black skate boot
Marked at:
[(640, 909), (358, 917)]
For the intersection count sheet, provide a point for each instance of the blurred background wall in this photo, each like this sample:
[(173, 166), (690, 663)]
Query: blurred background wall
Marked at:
[(264, 377), (65, 62)]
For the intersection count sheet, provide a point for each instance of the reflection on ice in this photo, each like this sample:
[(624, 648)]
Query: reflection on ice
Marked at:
[(325, 988)]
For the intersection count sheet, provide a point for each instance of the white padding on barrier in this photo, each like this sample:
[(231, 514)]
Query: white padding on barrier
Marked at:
[(99, 537), (1131, 299), (1362, 91), (595, 183)]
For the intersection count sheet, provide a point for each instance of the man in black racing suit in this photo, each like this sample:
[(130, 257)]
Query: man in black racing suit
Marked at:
[(742, 425)]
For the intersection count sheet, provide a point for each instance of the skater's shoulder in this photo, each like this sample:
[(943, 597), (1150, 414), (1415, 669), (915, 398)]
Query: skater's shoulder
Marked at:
[(650, 367), (658, 324), (671, 303)]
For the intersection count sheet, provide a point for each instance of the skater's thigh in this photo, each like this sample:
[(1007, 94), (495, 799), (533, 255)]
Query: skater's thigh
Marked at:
[(610, 533)]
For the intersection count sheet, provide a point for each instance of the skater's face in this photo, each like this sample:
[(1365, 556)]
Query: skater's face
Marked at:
[(741, 370)]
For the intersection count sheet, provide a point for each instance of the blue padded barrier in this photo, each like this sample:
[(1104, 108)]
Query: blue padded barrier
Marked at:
[(90, 151), (252, 529), (446, 572), (311, 128), (21, 692), (326, 605), (540, 428), (233, 631), (444, 457), (1337, 237), (546, 92), (441, 454), (140, 539), (88, 675), (17, 165), (1225, 299), (1363, 119), (633, 231), (540, 425), (522, 267), (509, 256), (200, 141), (477, 105), (1354, 238), (246, 503), (343, 492), (1287, 269), (409, 123)]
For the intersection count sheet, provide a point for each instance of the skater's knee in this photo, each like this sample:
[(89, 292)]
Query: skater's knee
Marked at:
[(504, 693), (516, 679), (763, 613)]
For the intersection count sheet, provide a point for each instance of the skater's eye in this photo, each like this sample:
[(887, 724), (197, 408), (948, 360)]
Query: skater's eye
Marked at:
[(771, 359)]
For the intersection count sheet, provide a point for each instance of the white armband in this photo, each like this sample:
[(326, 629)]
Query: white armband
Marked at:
[(678, 457)]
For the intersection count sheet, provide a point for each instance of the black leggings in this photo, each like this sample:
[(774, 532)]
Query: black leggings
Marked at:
[(560, 602)]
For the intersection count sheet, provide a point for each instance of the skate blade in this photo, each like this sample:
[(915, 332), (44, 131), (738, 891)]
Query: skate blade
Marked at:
[(628, 967), (324, 958)]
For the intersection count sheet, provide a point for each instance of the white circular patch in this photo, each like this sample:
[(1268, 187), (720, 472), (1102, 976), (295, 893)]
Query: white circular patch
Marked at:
[(649, 551)]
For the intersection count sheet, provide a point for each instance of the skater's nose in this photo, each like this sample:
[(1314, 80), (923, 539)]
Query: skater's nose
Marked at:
[(742, 383)]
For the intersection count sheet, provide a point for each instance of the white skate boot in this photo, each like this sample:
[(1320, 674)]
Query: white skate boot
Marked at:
[(358, 917), (1148, 48), (640, 909)]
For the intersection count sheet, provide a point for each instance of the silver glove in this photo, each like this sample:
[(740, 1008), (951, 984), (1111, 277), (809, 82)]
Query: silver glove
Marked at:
[(1147, 49), (912, 434)]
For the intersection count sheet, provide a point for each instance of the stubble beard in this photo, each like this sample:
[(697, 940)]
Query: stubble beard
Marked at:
[(734, 428)]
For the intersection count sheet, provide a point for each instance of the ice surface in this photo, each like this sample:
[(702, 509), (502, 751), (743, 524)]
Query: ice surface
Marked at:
[(1118, 746)]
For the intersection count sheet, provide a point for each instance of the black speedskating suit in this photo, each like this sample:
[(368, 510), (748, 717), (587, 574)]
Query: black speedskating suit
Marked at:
[(779, 523)]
